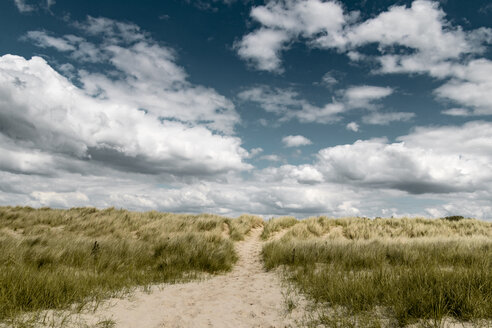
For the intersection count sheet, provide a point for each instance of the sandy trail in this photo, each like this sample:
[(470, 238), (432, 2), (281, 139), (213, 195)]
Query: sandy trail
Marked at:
[(248, 296)]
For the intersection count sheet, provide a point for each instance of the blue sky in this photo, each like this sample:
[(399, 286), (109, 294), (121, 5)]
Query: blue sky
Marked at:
[(309, 107)]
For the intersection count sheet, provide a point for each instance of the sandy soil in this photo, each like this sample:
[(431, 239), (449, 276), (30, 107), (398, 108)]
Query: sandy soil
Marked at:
[(248, 296)]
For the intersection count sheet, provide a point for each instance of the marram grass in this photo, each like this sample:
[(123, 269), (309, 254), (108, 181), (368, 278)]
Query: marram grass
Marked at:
[(389, 272), (55, 259)]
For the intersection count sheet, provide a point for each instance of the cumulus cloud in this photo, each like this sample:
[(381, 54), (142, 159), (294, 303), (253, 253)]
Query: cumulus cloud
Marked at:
[(134, 117), (429, 160), (154, 82), (42, 110), (303, 174), (450, 164), (262, 49), (470, 86), (283, 21), (352, 126), (421, 28), (139, 135), (296, 141), (328, 113), (410, 39)]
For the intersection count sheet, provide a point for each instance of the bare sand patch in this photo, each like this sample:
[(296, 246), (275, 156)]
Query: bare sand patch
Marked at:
[(248, 296)]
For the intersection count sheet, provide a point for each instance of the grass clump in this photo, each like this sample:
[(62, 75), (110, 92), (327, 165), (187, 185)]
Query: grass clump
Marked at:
[(389, 272), (242, 225), (277, 224), (53, 259)]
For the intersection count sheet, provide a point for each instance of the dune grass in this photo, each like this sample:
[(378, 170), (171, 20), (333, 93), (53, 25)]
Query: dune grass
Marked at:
[(53, 259), (389, 272), (277, 224)]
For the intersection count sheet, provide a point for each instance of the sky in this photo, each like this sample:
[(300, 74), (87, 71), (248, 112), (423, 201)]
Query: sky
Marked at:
[(277, 107)]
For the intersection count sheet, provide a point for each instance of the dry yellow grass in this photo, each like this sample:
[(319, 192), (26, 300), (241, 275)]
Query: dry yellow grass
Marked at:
[(53, 259), (388, 272)]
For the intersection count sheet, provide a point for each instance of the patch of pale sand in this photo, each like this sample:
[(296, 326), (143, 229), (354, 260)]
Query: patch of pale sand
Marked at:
[(278, 234), (248, 296)]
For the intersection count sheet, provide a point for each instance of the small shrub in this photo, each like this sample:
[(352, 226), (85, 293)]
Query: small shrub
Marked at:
[(453, 218)]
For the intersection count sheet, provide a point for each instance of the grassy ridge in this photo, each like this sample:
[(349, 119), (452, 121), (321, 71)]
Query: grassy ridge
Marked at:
[(51, 259), (389, 271), (276, 225)]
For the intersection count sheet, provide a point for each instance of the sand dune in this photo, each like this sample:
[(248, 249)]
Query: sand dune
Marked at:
[(248, 296)]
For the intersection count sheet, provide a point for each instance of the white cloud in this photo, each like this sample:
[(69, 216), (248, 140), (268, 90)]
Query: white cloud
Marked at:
[(328, 80), (470, 86), (114, 32), (410, 39), (386, 118), (146, 119), (24, 161), (42, 39), (363, 96), (352, 126), (420, 33), (285, 20), (23, 7), (262, 49), (288, 105), (449, 166), (44, 111), (154, 82), (296, 141), (146, 138), (78, 47), (329, 113), (303, 174), (422, 26), (255, 152), (471, 139), (60, 199), (271, 158), (306, 17), (278, 101), (463, 205), (456, 112), (429, 160)]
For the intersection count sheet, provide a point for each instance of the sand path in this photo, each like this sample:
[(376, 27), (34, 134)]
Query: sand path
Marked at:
[(248, 296)]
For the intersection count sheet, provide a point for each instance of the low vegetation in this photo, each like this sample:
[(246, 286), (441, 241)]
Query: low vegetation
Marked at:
[(55, 259), (277, 224), (388, 272)]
